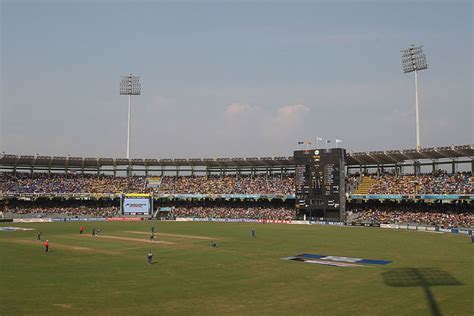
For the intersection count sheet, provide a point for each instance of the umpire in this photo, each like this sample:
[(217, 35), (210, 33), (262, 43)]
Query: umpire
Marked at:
[(150, 258)]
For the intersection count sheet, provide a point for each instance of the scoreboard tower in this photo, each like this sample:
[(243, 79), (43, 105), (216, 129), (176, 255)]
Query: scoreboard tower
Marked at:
[(320, 183)]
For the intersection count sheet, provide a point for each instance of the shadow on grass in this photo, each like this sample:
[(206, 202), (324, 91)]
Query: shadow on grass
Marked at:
[(421, 277)]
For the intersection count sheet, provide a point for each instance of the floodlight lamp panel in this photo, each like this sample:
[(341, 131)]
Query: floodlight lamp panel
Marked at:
[(130, 85), (422, 67)]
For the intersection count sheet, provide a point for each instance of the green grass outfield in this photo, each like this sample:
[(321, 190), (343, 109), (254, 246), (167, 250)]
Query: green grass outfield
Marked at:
[(109, 275)]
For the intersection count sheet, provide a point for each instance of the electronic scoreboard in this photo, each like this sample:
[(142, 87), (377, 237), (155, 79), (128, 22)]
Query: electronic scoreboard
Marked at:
[(137, 204), (320, 183)]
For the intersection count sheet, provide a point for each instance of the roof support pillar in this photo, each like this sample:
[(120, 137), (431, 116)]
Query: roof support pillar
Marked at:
[(49, 166), (67, 165), (416, 168), (15, 164), (32, 169), (130, 170)]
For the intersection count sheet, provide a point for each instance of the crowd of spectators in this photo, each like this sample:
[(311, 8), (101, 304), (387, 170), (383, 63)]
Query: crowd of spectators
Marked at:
[(434, 183), (259, 184), (47, 207), (282, 213), (87, 183), (441, 215), (69, 183), (64, 211)]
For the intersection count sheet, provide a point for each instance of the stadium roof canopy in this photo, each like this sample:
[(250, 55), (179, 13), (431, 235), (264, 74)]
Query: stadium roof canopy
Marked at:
[(388, 157)]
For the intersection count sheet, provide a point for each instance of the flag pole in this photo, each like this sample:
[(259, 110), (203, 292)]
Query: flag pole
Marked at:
[(317, 141)]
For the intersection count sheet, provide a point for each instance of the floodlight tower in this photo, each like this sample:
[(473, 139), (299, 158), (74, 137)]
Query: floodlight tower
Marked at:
[(414, 60), (129, 85)]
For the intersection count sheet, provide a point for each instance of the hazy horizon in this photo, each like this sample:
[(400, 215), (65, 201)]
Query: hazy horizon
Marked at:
[(232, 79)]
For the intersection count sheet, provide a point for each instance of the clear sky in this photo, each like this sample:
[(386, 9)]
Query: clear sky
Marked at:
[(234, 78)]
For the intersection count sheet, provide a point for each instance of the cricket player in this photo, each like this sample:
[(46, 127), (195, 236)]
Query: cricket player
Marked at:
[(81, 229), (152, 237), (38, 238), (213, 244), (93, 231), (150, 257), (253, 233), (152, 229), (46, 245)]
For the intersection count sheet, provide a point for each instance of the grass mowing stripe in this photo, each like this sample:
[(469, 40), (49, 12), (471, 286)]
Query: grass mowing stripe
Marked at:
[(173, 235)]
